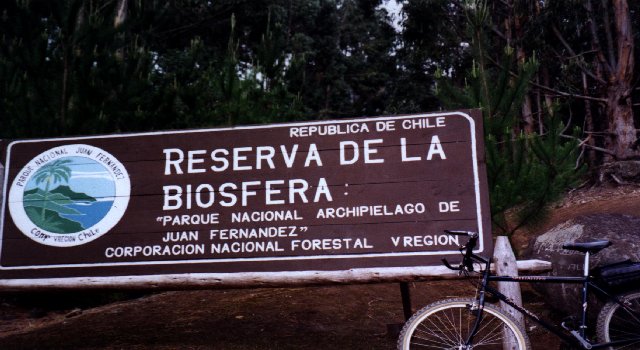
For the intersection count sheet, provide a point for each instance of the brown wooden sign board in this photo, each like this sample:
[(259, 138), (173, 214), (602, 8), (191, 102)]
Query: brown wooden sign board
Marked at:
[(322, 201)]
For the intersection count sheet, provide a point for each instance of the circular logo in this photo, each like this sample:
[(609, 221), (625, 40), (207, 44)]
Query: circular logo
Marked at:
[(69, 195)]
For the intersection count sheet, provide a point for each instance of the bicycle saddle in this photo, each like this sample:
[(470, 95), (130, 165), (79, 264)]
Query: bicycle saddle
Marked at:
[(591, 247)]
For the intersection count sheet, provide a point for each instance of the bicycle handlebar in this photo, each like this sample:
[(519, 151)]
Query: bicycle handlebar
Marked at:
[(462, 233), (466, 250)]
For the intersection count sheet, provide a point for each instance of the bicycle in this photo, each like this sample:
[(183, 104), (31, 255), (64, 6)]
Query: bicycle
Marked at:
[(473, 323)]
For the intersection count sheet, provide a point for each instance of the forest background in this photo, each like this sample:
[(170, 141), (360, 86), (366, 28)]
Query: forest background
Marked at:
[(555, 79)]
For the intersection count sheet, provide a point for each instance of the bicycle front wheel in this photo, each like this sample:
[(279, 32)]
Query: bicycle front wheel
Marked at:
[(446, 324), (616, 323)]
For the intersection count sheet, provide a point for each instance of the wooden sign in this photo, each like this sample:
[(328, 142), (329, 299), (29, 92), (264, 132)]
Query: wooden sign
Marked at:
[(275, 203)]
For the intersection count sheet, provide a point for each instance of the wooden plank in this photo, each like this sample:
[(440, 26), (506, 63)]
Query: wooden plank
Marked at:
[(264, 279)]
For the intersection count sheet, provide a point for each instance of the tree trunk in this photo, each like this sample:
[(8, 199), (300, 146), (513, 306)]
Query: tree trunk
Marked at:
[(622, 130), (121, 14), (526, 110), (589, 127), (527, 116)]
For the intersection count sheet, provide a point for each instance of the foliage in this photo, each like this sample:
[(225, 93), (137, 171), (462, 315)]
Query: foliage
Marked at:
[(78, 67), (84, 67), (525, 171), (431, 40), (44, 207)]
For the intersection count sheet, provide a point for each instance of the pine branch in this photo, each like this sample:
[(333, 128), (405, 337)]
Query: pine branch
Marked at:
[(555, 91), (583, 143), (566, 45)]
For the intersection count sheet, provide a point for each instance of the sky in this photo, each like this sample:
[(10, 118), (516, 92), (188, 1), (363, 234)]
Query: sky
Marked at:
[(394, 8), (87, 176)]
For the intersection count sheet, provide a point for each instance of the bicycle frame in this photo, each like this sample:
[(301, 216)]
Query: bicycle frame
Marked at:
[(576, 338)]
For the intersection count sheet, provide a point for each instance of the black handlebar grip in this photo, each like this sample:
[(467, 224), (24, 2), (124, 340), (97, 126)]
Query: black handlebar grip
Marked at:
[(461, 233)]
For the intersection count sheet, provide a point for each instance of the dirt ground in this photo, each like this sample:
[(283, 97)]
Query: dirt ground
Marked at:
[(328, 317)]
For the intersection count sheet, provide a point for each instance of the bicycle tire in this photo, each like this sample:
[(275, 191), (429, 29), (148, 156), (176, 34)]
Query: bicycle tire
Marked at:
[(616, 323), (446, 324)]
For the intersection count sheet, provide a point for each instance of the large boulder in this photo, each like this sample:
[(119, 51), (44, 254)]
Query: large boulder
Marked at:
[(622, 230)]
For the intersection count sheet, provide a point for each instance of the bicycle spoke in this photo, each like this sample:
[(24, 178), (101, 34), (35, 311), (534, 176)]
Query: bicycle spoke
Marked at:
[(494, 334), (448, 325), (441, 334), (618, 323), (630, 346), (439, 338), (442, 326), (453, 328)]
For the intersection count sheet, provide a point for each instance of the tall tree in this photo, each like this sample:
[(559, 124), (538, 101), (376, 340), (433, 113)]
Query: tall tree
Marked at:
[(525, 170), (80, 67), (348, 52), (619, 70), (433, 38), (591, 47)]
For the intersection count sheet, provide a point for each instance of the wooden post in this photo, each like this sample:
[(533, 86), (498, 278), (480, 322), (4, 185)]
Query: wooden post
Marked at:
[(1, 188), (505, 263), (406, 300)]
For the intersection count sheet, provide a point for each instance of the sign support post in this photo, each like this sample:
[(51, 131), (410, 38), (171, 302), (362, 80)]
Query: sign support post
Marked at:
[(406, 300)]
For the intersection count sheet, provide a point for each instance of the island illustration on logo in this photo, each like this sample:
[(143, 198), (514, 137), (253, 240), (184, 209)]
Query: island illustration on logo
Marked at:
[(69, 195)]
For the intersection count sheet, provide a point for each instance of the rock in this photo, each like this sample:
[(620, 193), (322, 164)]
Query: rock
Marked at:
[(73, 313), (622, 230), (621, 172), (37, 312)]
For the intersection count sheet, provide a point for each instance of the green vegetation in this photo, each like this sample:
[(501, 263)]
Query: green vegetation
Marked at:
[(556, 84), (526, 170), (44, 207), (50, 174), (52, 221)]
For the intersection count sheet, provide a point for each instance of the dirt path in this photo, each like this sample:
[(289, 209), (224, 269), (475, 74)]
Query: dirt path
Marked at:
[(333, 317), (336, 317)]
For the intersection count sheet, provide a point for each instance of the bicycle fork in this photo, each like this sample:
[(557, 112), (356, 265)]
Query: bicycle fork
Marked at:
[(475, 309)]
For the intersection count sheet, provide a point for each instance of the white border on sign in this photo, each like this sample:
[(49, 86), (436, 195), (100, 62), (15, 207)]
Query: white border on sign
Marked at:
[(476, 182)]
